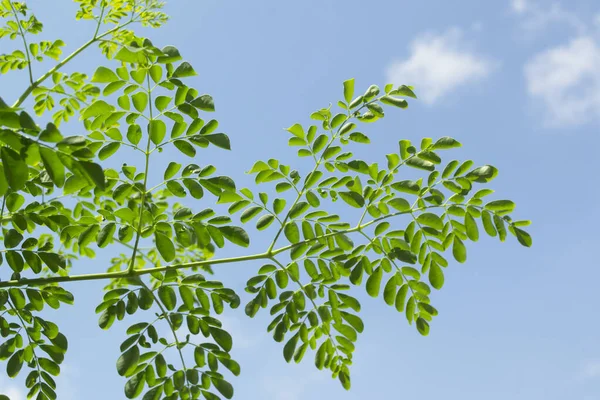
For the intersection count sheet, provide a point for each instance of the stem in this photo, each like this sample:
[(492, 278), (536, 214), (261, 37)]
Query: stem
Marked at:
[(58, 66), (145, 192), (100, 20), (14, 10)]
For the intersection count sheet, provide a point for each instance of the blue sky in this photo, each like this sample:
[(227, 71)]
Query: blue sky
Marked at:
[(517, 81)]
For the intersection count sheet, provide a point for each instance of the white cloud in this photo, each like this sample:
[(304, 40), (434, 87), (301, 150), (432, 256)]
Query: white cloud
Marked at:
[(439, 64), (12, 390), (566, 81), (537, 16), (519, 6)]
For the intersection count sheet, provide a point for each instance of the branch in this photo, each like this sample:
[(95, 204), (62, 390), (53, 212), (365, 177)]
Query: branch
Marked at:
[(58, 66)]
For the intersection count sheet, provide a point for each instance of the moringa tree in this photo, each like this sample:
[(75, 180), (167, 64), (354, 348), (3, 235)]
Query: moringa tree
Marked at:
[(61, 203)]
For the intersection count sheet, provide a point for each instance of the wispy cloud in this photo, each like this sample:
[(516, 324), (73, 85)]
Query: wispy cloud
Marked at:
[(12, 390), (535, 17), (439, 64), (566, 81), (563, 80)]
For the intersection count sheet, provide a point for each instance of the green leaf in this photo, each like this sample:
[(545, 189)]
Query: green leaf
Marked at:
[(436, 275), (250, 213), (411, 187), (420, 164), (14, 201), (53, 166), (459, 251), (292, 233), (235, 235), (482, 174), (488, 223), (128, 361), (394, 101), (223, 338), (389, 291), (167, 296), (135, 386), (204, 103), (184, 70), (104, 75), (399, 204), (14, 365), (171, 170), (16, 171), (106, 234), (446, 142), (500, 206), (401, 298), (140, 101), (352, 198), (185, 147), (158, 130), (223, 387), (471, 226), (264, 222), (108, 150), (95, 173), (296, 130), (404, 255), (290, 348), (423, 326), (12, 238), (300, 208), (523, 237), (431, 220), (349, 90), (165, 246), (220, 140), (374, 282)]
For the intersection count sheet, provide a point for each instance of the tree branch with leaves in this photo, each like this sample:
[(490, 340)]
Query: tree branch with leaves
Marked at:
[(61, 204)]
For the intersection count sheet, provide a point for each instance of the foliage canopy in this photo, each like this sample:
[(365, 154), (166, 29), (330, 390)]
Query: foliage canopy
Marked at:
[(61, 203)]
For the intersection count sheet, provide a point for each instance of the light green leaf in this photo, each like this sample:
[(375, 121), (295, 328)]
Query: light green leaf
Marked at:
[(157, 129), (399, 204), (374, 282), (352, 198), (459, 251), (165, 246), (436, 275), (140, 101), (235, 235), (292, 233), (104, 75), (171, 170), (349, 90), (431, 220), (471, 226)]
